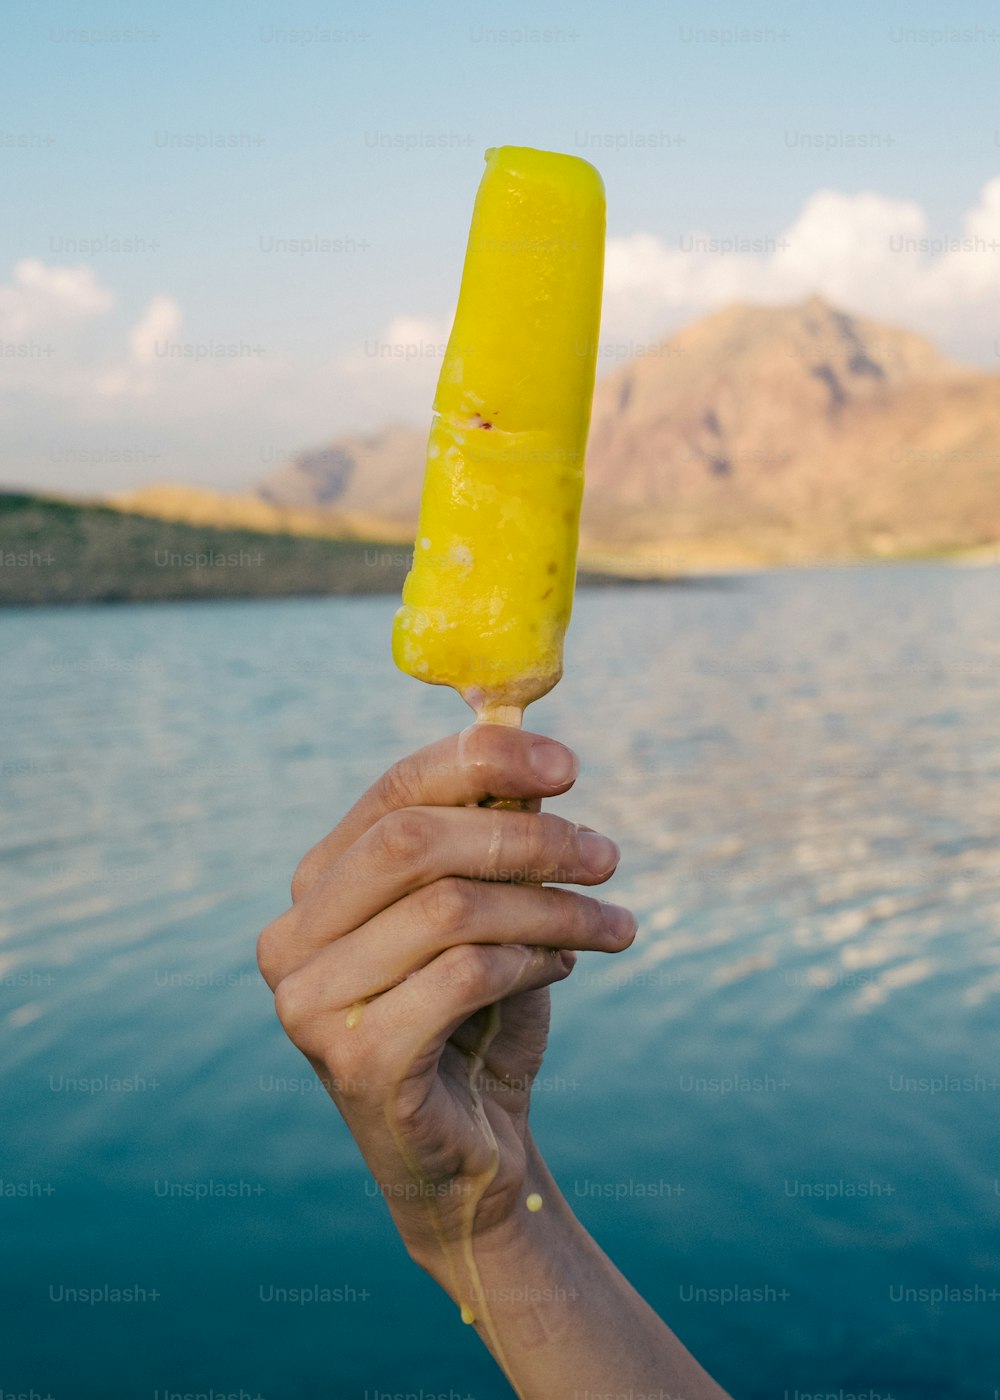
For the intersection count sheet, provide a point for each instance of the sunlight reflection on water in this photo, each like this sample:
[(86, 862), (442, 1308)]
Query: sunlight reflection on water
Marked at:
[(802, 771)]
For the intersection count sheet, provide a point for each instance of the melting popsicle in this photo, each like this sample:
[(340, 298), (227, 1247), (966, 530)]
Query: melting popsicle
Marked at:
[(487, 602)]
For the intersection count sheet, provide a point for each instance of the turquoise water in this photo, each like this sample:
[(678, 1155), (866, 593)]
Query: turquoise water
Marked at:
[(790, 1084)]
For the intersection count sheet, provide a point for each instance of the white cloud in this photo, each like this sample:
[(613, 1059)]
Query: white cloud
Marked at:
[(865, 252), (41, 298), (160, 323), (148, 341), (79, 383)]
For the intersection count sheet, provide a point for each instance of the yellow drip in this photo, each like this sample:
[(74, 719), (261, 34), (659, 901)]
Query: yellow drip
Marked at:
[(415, 1170), (478, 1187), (482, 1181), (354, 1015)]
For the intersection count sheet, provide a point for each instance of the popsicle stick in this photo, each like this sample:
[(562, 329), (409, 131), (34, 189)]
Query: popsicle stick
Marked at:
[(512, 715), (501, 714)]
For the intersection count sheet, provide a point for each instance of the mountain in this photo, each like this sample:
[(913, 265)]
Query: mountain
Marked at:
[(759, 434), (796, 431)]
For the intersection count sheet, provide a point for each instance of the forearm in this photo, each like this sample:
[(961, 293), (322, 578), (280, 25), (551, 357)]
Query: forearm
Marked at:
[(568, 1324)]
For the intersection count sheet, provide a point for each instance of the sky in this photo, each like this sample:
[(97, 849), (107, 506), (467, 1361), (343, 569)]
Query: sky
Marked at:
[(234, 231)]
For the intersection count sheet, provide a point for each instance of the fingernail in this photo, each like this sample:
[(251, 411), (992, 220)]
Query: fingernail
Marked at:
[(621, 922), (597, 853), (553, 763)]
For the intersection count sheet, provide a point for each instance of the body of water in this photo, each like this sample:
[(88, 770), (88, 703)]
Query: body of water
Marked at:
[(779, 1112)]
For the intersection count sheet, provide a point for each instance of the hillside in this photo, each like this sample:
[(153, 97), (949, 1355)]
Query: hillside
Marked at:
[(55, 551), (758, 435), (197, 505), (60, 551)]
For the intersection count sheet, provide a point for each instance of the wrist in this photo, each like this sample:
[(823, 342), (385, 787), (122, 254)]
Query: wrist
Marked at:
[(507, 1247), (553, 1309)]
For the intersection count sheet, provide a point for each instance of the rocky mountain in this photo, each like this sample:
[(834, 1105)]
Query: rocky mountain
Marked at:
[(760, 434), (783, 432)]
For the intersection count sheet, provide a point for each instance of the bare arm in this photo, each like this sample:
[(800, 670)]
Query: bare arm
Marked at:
[(570, 1324), (413, 971)]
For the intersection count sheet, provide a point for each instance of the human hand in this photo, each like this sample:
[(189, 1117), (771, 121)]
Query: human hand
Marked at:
[(414, 965)]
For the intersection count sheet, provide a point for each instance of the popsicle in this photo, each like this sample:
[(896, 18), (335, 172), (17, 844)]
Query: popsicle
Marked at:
[(488, 599)]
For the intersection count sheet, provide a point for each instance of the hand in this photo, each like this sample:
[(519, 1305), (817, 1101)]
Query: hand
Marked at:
[(415, 920)]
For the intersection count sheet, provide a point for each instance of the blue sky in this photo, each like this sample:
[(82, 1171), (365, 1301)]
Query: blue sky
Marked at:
[(211, 136)]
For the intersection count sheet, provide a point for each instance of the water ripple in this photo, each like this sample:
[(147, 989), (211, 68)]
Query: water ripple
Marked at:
[(802, 773)]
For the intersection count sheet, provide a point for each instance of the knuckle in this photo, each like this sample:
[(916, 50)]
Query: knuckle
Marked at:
[(551, 845), (265, 952), (293, 1004), (402, 839), (270, 942), (588, 915), (302, 879), (568, 917), (398, 787), (450, 904), (468, 967)]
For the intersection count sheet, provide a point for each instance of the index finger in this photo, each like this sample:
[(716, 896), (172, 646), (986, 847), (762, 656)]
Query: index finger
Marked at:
[(485, 760)]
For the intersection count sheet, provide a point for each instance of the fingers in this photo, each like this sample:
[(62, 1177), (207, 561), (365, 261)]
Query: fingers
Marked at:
[(411, 933), (485, 760), (412, 848), (411, 1022)]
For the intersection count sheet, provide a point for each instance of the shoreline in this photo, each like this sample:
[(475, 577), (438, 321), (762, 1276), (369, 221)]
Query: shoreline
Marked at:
[(60, 553)]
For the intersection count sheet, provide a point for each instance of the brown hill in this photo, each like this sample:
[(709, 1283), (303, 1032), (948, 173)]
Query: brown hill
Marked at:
[(784, 432), (760, 434)]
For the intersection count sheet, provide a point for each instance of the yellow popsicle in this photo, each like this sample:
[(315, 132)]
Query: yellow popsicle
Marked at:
[(487, 602)]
